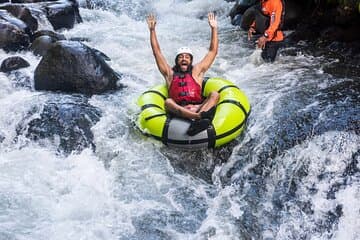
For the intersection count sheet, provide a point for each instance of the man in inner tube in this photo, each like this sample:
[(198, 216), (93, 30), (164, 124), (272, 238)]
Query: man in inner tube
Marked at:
[(267, 21), (184, 80)]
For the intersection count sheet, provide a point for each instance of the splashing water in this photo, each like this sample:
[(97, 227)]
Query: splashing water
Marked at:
[(293, 174)]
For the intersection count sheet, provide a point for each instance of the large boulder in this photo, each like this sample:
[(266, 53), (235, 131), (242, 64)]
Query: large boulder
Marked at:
[(23, 13), (63, 14), (7, 17), (74, 67), (41, 45), (65, 120), (53, 35), (18, 22), (43, 40), (12, 37)]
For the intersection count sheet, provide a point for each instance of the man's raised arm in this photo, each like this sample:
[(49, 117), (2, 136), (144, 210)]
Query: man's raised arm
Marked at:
[(214, 44), (163, 66)]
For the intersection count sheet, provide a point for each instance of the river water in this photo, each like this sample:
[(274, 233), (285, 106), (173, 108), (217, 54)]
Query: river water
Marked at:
[(293, 173)]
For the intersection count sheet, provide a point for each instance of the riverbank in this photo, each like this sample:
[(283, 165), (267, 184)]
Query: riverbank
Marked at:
[(318, 28), (332, 31)]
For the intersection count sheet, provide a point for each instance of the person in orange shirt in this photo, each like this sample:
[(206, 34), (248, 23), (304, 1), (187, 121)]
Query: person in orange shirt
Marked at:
[(267, 21)]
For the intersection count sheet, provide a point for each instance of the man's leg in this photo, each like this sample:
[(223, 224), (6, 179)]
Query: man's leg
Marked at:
[(210, 102), (254, 14), (270, 51), (180, 111), (202, 117), (207, 112)]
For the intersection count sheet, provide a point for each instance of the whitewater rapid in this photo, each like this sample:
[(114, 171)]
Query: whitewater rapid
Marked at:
[(293, 174)]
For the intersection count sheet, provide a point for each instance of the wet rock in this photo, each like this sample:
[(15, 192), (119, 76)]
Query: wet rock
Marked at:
[(92, 4), (337, 33), (7, 17), (101, 54), (63, 14), (41, 45), (23, 13), (53, 35), (79, 39), (13, 63), (328, 22), (65, 121), (294, 12), (18, 23), (238, 10), (344, 56), (304, 31), (12, 38), (74, 67), (31, 1)]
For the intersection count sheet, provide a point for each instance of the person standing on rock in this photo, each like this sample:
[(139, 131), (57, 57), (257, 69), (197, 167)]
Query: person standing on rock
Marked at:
[(267, 18), (184, 80)]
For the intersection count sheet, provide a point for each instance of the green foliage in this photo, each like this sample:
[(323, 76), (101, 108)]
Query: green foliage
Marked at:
[(352, 4)]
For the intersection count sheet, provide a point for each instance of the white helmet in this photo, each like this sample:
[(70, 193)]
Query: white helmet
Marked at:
[(184, 50)]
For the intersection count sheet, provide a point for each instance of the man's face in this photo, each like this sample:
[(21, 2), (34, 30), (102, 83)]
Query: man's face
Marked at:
[(184, 61)]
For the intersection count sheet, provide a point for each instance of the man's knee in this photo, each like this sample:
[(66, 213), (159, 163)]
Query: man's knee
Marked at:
[(169, 103), (270, 51), (268, 56), (214, 95), (254, 14)]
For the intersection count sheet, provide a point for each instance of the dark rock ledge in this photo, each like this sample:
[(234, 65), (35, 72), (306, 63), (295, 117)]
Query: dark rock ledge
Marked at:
[(332, 30), (327, 28), (66, 66)]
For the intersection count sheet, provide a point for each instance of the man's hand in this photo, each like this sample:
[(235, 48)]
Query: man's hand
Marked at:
[(212, 20), (251, 32), (261, 42), (151, 21)]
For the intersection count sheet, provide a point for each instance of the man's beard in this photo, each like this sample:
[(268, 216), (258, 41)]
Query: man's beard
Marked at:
[(182, 66), (177, 68)]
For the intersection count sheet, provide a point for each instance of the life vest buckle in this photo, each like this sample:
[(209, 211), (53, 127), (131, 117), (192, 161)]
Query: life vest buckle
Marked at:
[(183, 94)]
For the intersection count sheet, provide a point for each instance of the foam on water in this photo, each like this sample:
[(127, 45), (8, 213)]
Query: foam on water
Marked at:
[(128, 188)]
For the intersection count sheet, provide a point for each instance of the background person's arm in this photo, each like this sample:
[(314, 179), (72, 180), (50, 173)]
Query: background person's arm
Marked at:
[(275, 20)]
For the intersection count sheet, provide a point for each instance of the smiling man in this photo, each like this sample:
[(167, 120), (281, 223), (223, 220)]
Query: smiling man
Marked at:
[(184, 80)]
